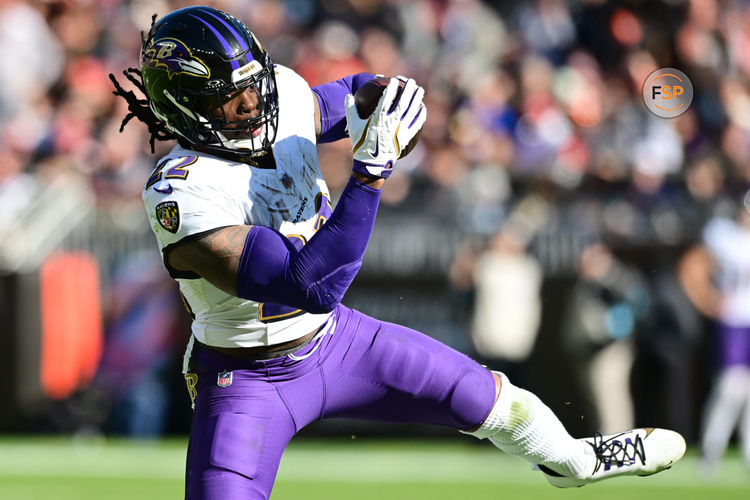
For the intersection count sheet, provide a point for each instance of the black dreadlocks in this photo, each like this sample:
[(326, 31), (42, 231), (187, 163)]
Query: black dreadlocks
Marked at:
[(139, 108)]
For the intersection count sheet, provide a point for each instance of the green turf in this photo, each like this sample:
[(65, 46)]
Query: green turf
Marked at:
[(451, 491), (44, 468)]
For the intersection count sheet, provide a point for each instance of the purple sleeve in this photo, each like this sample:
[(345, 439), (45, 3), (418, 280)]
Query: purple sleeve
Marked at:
[(316, 277), (331, 99)]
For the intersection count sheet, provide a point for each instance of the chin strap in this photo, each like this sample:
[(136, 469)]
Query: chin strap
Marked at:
[(264, 160)]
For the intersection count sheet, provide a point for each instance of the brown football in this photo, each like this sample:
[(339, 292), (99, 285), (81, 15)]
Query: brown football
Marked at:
[(366, 99)]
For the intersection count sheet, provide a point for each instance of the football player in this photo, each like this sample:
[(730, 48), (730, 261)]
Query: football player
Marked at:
[(243, 217), (716, 277)]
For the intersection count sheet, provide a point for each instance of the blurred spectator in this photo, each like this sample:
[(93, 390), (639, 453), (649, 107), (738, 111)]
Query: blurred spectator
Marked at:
[(546, 27), (32, 57), (607, 303), (507, 304), (666, 381)]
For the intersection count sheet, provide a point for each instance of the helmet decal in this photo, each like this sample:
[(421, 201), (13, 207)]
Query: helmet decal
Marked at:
[(225, 42), (174, 55), (247, 70), (243, 44)]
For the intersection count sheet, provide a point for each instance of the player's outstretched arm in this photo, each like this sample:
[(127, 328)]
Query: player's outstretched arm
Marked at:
[(259, 263)]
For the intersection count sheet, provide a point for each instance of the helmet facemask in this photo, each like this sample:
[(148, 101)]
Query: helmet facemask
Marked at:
[(212, 132)]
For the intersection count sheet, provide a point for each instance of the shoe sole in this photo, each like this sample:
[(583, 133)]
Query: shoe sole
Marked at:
[(569, 482), (566, 482)]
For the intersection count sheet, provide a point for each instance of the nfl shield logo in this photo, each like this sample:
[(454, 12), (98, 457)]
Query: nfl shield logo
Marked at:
[(225, 379), (168, 215)]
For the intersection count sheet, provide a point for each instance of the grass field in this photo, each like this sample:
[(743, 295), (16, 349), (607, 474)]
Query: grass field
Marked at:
[(45, 468)]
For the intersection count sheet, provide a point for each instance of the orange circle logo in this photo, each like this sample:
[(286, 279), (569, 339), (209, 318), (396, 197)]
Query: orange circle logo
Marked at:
[(667, 92)]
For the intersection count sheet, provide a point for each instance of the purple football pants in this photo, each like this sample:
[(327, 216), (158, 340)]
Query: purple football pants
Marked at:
[(734, 345), (363, 368)]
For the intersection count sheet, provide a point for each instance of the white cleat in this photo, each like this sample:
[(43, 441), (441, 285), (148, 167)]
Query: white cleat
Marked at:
[(640, 452)]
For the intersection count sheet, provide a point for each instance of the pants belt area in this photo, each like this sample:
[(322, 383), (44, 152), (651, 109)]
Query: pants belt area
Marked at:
[(261, 353)]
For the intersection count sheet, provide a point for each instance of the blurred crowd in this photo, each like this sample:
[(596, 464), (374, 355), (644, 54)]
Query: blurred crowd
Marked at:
[(537, 147), (538, 97)]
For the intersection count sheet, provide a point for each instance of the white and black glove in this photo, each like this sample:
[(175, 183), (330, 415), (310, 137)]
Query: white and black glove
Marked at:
[(379, 139)]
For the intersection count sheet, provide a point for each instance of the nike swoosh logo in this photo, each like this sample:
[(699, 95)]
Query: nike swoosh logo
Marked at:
[(165, 191), (377, 147)]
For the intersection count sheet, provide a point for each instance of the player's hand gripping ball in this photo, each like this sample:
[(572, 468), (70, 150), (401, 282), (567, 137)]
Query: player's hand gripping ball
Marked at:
[(384, 120), (366, 99)]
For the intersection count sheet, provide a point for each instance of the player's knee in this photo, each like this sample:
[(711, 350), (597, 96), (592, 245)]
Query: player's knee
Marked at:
[(472, 398)]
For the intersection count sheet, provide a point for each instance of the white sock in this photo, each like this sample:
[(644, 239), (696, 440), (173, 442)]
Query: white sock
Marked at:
[(521, 425)]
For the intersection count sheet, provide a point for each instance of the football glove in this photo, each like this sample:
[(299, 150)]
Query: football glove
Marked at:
[(379, 139)]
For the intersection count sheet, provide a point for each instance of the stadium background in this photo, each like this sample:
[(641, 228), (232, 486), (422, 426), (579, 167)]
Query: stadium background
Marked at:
[(537, 138)]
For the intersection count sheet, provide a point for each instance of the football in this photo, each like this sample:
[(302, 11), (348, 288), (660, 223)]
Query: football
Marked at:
[(366, 99)]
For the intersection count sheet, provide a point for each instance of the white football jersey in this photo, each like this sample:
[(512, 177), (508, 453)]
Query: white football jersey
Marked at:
[(728, 243), (191, 193)]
